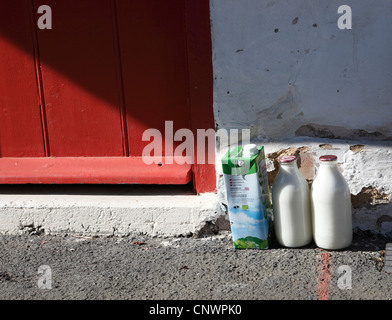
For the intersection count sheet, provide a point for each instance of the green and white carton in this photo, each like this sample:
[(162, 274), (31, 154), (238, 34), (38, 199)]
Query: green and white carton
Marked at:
[(248, 196)]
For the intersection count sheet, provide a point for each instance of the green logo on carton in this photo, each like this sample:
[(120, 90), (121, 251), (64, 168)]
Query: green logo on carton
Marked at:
[(250, 242)]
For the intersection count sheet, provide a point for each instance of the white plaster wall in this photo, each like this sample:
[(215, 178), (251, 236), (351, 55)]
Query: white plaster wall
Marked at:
[(309, 72), (303, 73)]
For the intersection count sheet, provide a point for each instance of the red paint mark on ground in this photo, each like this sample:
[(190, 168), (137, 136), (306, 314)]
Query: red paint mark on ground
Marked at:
[(325, 276)]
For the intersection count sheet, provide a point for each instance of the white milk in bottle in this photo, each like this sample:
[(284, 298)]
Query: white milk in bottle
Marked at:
[(291, 205), (331, 206)]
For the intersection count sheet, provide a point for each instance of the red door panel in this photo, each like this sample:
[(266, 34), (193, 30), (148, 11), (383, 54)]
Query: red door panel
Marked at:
[(154, 65), (20, 118), (79, 77), (75, 100)]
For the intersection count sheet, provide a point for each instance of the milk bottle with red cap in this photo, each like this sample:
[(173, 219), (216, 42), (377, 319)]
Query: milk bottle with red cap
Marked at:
[(291, 205), (331, 206)]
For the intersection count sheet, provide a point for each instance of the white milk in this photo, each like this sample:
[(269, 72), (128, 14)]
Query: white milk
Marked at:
[(331, 206), (291, 205)]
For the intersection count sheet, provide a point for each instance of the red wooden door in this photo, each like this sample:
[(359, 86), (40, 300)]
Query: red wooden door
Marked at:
[(76, 99)]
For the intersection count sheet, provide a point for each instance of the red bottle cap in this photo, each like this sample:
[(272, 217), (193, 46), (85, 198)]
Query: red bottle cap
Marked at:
[(287, 159), (329, 157)]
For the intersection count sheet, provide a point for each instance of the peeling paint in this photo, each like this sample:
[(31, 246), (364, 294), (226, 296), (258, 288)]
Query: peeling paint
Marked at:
[(337, 132), (326, 146), (357, 147), (297, 152), (369, 196)]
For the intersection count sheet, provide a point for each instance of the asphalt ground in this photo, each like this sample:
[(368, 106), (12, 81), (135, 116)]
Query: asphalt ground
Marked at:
[(70, 267)]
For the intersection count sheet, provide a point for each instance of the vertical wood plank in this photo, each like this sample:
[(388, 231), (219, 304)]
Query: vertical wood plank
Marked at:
[(153, 51), (20, 118), (82, 94), (120, 78), (198, 28), (38, 74)]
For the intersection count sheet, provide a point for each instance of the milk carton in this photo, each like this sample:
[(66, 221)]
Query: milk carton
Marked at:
[(248, 196)]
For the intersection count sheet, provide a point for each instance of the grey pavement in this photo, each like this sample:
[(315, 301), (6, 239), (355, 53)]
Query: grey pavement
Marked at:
[(72, 267)]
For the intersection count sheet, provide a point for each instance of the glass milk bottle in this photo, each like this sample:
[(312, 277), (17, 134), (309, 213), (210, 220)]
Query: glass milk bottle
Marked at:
[(291, 205), (331, 206)]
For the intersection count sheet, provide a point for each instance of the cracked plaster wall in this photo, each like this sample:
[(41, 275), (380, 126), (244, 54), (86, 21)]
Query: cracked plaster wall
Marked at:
[(285, 71)]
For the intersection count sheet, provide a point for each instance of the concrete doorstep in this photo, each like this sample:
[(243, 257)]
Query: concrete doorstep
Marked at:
[(116, 210)]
